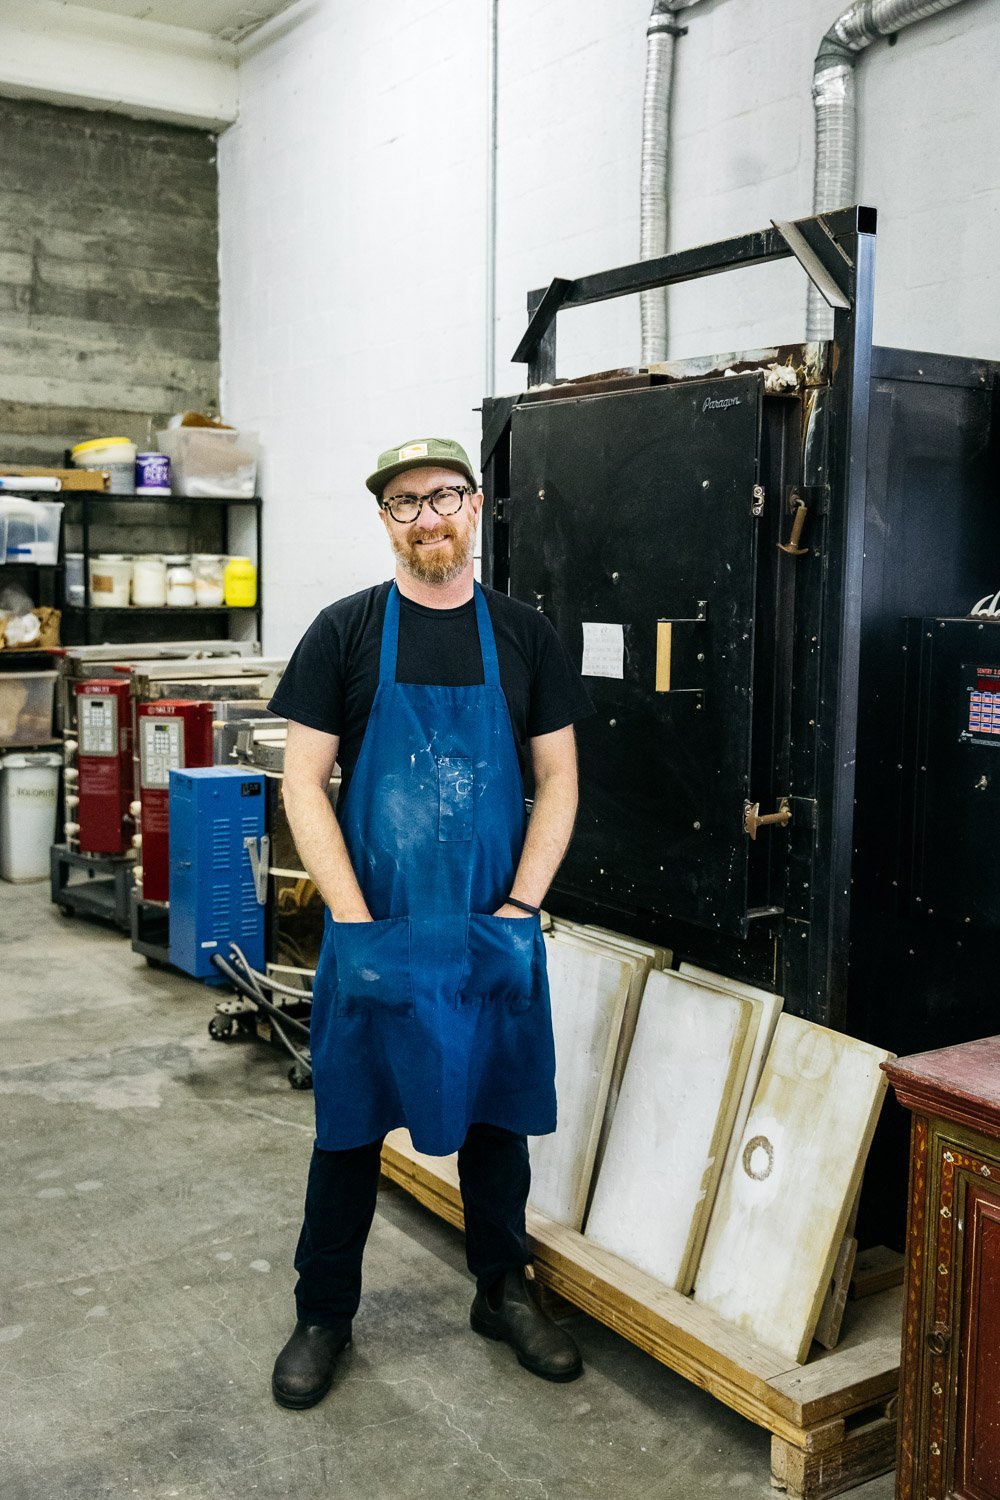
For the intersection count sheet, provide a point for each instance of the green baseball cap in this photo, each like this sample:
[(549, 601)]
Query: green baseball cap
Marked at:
[(419, 453)]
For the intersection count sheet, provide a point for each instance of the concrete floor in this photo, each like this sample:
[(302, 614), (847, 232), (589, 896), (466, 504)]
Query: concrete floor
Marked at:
[(152, 1187)]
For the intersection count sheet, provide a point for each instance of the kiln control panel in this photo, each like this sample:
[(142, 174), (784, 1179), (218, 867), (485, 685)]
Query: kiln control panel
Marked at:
[(984, 703)]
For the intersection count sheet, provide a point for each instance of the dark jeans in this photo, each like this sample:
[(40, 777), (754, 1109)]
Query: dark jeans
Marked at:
[(495, 1174)]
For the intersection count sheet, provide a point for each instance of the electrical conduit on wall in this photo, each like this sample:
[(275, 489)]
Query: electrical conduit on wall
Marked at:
[(836, 112)]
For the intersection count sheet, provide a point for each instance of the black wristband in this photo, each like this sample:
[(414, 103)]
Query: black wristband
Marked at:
[(535, 911)]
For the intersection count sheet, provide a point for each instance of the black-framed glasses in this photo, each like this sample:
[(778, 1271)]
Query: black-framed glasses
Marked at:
[(443, 502)]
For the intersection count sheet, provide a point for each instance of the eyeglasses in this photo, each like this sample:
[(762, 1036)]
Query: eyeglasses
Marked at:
[(445, 502)]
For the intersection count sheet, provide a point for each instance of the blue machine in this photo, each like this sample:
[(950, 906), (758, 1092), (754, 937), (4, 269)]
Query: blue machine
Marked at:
[(218, 866)]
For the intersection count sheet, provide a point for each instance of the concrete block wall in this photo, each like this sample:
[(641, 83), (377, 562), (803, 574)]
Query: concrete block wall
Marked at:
[(353, 241), (108, 277)]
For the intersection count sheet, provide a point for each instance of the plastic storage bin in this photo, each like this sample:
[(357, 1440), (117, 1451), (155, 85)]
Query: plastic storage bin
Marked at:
[(26, 707), (211, 462), (30, 529), (29, 786)]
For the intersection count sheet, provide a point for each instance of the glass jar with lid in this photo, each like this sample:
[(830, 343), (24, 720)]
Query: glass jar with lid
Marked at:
[(209, 591), (180, 581), (149, 580)]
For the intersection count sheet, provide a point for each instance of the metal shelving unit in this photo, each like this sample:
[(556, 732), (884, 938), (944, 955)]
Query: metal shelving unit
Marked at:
[(83, 510)]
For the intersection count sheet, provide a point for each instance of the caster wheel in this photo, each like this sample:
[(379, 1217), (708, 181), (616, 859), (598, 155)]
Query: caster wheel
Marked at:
[(300, 1078), (222, 1028), (67, 911), (153, 963)]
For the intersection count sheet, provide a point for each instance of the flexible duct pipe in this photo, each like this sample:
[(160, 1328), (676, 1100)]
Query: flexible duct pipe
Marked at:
[(660, 42), (836, 114), (492, 23)]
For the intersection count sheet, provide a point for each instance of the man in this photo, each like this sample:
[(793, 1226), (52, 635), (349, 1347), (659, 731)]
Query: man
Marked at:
[(430, 1004)]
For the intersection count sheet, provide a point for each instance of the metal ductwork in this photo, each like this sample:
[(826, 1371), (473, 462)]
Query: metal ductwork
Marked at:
[(836, 115), (661, 38)]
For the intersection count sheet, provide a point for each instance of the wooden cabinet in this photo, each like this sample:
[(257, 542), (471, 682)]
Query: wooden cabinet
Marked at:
[(949, 1412)]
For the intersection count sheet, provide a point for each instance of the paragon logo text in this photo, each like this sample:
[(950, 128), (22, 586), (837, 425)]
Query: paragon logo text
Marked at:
[(719, 403)]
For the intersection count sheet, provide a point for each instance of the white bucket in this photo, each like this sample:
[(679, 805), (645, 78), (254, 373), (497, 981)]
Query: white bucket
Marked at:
[(116, 454), (29, 784)]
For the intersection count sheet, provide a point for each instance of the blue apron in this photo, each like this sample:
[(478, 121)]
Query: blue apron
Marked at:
[(436, 1014)]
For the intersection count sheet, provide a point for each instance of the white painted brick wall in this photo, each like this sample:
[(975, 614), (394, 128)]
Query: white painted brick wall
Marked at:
[(353, 219)]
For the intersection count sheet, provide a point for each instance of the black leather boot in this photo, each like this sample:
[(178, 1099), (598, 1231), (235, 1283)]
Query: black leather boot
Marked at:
[(510, 1312), (303, 1371)]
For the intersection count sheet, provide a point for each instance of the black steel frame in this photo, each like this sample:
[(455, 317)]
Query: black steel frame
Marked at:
[(837, 251)]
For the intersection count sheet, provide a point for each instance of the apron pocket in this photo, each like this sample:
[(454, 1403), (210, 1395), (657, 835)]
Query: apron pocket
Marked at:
[(373, 967), (501, 961)]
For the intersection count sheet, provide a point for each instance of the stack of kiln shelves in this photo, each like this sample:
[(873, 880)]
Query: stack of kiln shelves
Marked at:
[(703, 1137), (730, 1139)]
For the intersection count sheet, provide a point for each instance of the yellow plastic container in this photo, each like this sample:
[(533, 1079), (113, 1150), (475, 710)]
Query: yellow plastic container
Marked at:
[(240, 582)]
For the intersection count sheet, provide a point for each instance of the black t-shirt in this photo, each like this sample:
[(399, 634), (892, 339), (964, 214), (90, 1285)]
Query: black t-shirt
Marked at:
[(330, 681)]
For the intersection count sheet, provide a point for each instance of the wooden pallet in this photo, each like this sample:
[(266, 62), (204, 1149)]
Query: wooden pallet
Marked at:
[(832, 1421)]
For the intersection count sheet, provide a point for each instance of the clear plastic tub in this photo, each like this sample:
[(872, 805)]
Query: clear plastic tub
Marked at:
[(31, 529), (211, 462), (26, 707)]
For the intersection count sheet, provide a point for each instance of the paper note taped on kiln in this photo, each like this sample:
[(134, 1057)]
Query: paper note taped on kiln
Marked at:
[(603, 650)]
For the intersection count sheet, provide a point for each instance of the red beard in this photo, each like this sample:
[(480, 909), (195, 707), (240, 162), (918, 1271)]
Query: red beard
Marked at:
[(435, 564)]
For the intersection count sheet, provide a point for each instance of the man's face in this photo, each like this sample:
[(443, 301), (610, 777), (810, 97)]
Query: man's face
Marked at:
[(433, 548)]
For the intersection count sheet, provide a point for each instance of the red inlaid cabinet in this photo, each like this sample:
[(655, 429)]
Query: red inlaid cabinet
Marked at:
[(949, 1393)]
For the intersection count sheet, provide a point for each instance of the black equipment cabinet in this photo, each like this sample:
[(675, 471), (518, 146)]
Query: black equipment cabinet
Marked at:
[(763, 586)]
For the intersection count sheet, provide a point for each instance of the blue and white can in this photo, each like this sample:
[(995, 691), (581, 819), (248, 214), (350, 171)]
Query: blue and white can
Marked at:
[(152, 474)]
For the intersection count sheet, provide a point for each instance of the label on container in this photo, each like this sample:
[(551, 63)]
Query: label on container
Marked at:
[(152, 472)]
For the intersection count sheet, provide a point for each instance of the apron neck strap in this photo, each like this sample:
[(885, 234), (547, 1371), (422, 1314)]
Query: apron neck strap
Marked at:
[(390, 639), (487, 640)]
